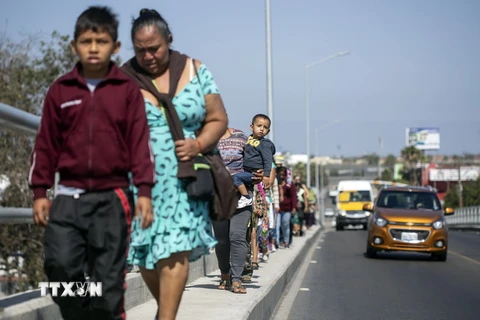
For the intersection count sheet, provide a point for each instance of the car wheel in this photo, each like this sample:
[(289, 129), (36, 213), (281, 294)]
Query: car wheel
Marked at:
[(440, 256), (371, 253), (365, 226), (339, 227)]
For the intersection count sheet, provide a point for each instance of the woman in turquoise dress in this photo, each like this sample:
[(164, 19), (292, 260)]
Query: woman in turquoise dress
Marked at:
[(181, 231)]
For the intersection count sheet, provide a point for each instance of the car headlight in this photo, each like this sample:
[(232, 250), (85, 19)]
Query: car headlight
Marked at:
[(380, 222), (438, 224), (367, 213), (342, 212)]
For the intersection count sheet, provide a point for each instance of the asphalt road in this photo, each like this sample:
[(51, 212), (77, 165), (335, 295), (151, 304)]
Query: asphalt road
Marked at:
[(338, 283)]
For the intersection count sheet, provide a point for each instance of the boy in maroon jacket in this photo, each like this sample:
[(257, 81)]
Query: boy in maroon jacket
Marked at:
[(93, 132)]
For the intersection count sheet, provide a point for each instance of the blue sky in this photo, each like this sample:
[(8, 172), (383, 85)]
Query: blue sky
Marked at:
[(412, 63)]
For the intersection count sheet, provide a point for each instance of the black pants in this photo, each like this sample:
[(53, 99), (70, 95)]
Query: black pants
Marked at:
[(90, 231)]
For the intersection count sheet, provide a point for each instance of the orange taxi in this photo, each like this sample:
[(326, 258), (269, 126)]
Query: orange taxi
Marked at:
[(407, 219)]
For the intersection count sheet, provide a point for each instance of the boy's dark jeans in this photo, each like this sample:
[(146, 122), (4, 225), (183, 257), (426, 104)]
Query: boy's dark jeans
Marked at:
[(242, 178), (92, 230)]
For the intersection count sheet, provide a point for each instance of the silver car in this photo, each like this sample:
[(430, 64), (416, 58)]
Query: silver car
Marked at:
[(329, 212)]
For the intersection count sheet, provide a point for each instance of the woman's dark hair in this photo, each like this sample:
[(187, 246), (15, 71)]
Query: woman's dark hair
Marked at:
[(150, 17), (97, 19)]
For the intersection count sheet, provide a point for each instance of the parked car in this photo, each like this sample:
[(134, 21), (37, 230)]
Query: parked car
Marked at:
[(329, 212), (408, 219)]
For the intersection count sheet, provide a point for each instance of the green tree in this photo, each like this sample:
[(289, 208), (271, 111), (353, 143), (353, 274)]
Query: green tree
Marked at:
[(27, 69), (300, 170), (470, 195), (468, 156), (372, 159), (390, 161), (387, 175), (411, 158)]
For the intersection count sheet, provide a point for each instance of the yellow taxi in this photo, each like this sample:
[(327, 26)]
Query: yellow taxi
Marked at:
[(407, 219)]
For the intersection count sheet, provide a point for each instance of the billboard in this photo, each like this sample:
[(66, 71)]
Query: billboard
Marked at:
[(397, 171), (423, 138), (466, 174)]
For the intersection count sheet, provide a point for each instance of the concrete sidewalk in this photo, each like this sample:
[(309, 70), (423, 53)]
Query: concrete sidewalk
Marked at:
[(202, 300)]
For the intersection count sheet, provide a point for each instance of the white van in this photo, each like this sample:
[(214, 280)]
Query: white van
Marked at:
[(352, 195)]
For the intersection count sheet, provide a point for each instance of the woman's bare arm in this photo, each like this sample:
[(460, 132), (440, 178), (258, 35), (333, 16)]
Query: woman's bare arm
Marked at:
[(216, 120)]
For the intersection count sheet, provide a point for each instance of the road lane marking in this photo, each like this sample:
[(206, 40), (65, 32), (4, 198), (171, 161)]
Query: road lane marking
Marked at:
[(285, 304), (319, 247), (464, 257), (304, 289), (313, 261)]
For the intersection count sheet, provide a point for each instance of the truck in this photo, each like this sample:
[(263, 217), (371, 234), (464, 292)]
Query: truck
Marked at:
[(352, 195)]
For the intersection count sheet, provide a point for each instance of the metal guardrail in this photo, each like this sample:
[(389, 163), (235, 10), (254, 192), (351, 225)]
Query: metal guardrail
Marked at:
[(465, 218), (16, 215), (17, 119)]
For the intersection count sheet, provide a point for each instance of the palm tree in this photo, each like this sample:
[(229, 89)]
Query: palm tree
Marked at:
[(411, 157)]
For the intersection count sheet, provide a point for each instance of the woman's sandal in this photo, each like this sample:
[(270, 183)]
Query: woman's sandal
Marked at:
[(255, 265), (224, 284), (238, 288)]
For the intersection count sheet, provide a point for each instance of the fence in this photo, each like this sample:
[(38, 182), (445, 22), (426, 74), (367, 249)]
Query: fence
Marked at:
[(25, 122), (465, 218)]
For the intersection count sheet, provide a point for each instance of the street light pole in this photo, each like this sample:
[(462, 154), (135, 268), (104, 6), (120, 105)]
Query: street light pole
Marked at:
[(322, 197), (319, 185), (307, 106), (269, 67), (307, 125)]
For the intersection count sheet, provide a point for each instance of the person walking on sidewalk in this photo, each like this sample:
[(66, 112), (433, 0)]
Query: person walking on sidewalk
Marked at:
[(94, 133), (231, 249), (181, 232), (302, 207), (273, 196), (288, 207)]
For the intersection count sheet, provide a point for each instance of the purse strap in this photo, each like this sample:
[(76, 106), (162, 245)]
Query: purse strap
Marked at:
[(196, 72)]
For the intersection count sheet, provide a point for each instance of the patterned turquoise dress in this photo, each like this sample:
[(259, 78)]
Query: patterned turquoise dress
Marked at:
[(179, 224)]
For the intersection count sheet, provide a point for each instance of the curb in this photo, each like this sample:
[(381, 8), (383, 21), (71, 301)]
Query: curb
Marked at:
[(265, 305), (29, 306), (262, 306)]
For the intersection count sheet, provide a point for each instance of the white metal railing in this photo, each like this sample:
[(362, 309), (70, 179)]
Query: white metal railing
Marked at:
[(17, 119), (15, 215), (464, 218), (14, 118)]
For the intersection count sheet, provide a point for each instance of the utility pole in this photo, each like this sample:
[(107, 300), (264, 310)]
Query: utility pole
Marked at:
[(322, 196), (459, 185), (380, 143)]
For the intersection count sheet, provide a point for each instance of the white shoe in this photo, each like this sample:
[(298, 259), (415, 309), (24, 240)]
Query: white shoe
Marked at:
[(244, 202)]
